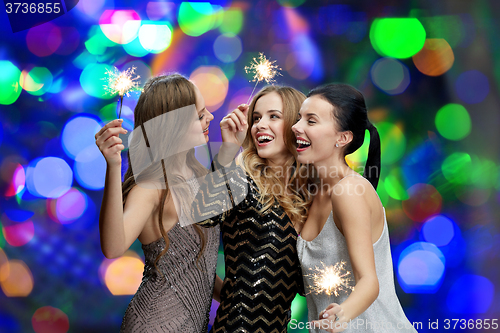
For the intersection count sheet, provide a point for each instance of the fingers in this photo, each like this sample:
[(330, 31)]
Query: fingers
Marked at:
[(331, 310), (111, 143), (108, 133), (227, 121), (112, 123)]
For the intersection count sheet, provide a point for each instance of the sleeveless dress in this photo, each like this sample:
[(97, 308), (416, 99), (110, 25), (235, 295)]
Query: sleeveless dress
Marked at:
[(178, 302), (385, 314)]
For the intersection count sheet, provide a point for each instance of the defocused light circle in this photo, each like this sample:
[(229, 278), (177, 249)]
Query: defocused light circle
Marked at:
[(472, 87), (227, 47), (196, 18), (390, 75), (78, 134), (90, 168), (392, 142), (19, 282), (394, 185), (9, 82), (19, 234), (49, 319), (453, 122), (37, 81), (93, 79), (213, 85), (435, 58), (155, 37), (421, 268), (49, 177), (43, 40), (120, 26), (457, 168), (397, 37), (438, 230), (471, 294), (424, 201), (124, 275), (71, 205)]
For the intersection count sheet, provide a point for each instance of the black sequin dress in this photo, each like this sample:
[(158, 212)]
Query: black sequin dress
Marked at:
[(262, 268)]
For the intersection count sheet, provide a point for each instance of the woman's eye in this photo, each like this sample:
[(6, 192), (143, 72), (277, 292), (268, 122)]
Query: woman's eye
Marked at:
[(311, 122), (275, 116), (255, 119), (201, 117)]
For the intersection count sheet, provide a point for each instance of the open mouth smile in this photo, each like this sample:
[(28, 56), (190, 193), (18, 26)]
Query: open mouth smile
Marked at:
[(264, 139), (302, 144)]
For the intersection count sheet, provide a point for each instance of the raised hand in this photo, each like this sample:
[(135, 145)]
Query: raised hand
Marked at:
[(234, 126), (109, 143)]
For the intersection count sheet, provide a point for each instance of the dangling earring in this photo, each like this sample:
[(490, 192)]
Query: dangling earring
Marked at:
[(337, 145)]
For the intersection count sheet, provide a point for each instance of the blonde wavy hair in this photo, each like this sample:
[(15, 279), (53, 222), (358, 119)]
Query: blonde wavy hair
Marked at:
[(296, 199)]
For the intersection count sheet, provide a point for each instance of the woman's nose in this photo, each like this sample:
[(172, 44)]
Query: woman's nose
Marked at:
[(296, 128)]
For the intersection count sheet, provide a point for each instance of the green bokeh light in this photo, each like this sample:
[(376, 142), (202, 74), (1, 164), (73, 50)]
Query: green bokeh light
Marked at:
[(98, 43), (397, 37), (360, 155), (394, 185), (232, 21), (135, 49), (196, 18), (484, 173), (382, 192), (453, 122), (299, 314), (93, 80), (449, 27), (155, 37), (457, 167), (108, 112), (392, 142), (10, 89), (43, 77)]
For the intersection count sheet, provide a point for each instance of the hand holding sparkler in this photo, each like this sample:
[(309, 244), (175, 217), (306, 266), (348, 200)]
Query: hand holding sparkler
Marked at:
[(331, 280), (122, 83), (262, 69)]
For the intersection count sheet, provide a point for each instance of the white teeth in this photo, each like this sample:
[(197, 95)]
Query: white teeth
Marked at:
[(263, 137), (205, 130), (303, 142)]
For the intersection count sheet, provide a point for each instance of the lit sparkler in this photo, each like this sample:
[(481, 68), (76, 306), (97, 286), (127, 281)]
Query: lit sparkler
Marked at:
[(331, 279), (121, 83), (263, 70)]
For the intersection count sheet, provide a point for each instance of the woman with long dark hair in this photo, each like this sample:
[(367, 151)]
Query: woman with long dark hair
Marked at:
[(347, 222), (178, 282)]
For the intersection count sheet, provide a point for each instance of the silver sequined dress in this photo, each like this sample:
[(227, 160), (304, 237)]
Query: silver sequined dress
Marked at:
[(329, 247), (180, 302)]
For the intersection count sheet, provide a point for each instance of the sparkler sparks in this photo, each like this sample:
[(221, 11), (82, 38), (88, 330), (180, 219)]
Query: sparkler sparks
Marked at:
[(121, 83), (263, 70), (331, 279)]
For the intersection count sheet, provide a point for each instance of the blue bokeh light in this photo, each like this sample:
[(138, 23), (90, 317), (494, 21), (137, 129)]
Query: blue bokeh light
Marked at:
[(78, 134), (49, 177), (470, 294), (438, 230), (421, 267)]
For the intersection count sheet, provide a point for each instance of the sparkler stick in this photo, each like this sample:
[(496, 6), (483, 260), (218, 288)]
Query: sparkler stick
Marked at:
[(331, 279), (262, 69), (121, 82)]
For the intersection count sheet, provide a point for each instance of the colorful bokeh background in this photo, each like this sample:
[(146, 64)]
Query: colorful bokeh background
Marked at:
[(430, 72)]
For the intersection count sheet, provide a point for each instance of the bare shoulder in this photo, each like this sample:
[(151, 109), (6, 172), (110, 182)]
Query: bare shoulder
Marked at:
[(145, 195)]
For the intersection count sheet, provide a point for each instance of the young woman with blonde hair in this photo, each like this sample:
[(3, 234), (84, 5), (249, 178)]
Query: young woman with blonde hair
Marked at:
[(260, 205)]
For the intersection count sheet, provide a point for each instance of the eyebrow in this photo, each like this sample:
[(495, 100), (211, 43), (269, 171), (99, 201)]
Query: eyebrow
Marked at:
[(204, 108), (269, 111)]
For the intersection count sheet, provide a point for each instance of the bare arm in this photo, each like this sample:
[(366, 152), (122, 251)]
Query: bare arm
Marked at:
[(119, 226), (353, 213)]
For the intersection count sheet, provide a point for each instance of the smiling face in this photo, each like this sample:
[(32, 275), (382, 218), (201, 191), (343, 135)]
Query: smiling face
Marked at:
[(316, 131), (204, 115), (267, 129)]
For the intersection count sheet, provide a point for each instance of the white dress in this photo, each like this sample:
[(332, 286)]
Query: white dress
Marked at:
[(385, 314)]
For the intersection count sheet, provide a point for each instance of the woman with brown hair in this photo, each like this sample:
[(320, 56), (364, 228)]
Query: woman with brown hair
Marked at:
[(178, 282), (260, 205)]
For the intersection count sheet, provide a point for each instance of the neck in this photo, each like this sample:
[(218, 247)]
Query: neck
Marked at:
[(333, 169)]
